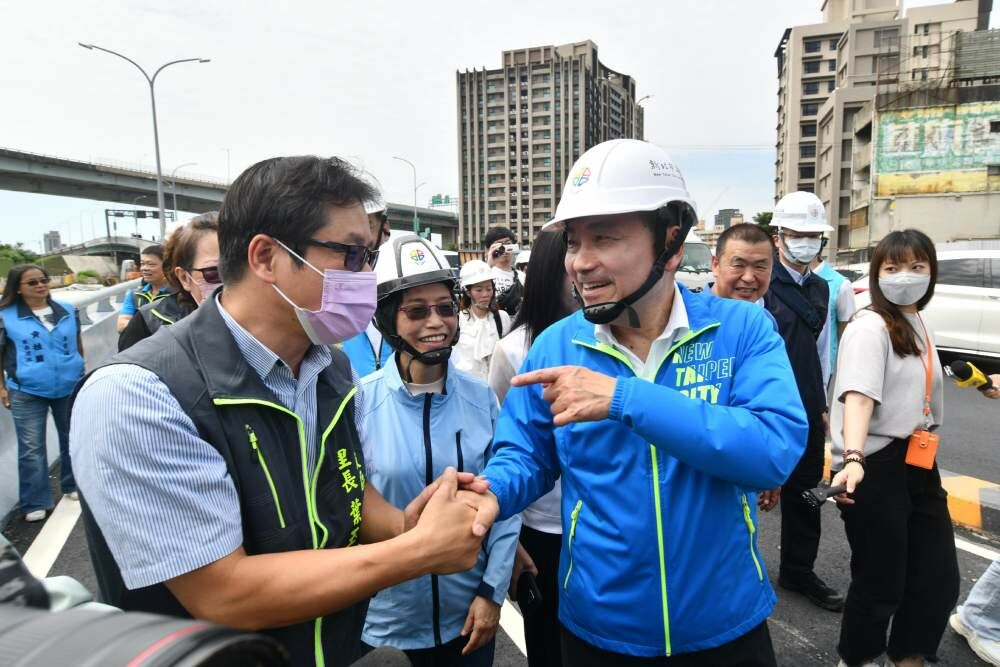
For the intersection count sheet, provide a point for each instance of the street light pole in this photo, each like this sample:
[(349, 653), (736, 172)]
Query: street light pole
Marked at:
[(151, 80), (416, 222), (173, 183)]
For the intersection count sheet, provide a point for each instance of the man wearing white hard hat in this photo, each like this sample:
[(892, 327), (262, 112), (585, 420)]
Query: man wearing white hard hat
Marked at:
[(663, 412), (797, 298)]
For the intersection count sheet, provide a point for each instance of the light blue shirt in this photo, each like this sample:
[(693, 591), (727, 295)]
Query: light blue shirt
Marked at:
[(161, 495)]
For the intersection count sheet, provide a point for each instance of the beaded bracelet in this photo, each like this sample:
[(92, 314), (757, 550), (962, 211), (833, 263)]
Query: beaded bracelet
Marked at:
[(855, 459), (848, 452)]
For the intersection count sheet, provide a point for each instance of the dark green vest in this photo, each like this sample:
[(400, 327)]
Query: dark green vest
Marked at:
[(281, 509)]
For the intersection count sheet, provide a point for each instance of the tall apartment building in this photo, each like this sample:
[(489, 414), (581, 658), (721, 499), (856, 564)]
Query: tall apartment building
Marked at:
[(51, 241), (727, 217), (521, 127), (828, 71)]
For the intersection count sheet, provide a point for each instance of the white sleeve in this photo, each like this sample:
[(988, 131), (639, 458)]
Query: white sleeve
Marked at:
[(845, 302)]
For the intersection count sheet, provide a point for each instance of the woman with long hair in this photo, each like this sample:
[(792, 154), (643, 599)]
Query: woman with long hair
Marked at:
[(153, 288), (191, 265), (481, 323), (420, 415), (889, 402), (42, 358), (548, 297)]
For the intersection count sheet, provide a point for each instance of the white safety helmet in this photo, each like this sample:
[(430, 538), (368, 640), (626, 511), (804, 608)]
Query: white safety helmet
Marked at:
[(621, 176), (473, 272), (522, 258), (407, 260), (627, 176), (800, 212)]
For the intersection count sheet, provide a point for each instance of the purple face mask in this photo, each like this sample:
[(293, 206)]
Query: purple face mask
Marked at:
[(346, 307)]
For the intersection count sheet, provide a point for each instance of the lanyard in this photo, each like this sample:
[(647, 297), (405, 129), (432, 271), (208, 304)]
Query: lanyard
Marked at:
[(930, 370)]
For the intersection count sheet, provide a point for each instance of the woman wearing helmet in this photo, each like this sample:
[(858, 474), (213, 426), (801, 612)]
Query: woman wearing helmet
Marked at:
[(482, 323), (437, 620)]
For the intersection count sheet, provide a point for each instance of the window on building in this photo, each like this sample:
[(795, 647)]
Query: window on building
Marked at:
[(809, 130), (833, 43), (922, 29), (811, 88), (993, 170), (811, 66), (887, 65), (845, 177), (813, 46), (831, 85), (887, 38), (844, 204), (807, 171), (810, 109), (807, 150), (846, 146), (831, 65)]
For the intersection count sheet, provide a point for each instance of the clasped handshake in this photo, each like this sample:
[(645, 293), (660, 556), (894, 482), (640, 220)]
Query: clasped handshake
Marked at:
[(455, 512)]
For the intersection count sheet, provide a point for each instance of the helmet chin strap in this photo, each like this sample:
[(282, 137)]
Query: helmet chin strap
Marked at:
[(608, 312)]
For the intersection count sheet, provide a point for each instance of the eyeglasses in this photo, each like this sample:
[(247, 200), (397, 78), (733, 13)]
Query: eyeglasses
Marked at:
[(210, 273), (355, 256), (417, 313), (35, 282)]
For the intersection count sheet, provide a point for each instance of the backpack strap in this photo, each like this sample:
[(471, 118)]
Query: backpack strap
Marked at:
[(796, 301), (496, 320)]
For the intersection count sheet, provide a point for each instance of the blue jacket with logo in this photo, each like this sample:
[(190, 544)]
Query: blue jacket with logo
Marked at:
[(38, 361), (408, 442), (659, 552)]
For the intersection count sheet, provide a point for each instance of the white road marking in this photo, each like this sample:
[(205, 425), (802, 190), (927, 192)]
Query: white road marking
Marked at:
[(964, 545), (513, 625), (45, 549)]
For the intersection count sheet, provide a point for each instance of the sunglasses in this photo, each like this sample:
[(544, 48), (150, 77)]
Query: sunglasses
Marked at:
[(34, 282), (209, 273), (417, 313), (355, 256)]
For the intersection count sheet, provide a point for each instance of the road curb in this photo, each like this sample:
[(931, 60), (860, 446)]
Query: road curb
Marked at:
[(973, 503)]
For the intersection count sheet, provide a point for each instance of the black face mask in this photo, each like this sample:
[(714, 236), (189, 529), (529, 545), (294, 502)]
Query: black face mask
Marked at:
[(608, 312)]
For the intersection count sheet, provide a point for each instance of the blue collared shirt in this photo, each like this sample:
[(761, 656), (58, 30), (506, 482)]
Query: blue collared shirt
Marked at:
[(161, 495)]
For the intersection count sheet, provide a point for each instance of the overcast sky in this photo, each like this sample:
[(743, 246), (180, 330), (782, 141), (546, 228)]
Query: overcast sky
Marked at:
[(368, 80)]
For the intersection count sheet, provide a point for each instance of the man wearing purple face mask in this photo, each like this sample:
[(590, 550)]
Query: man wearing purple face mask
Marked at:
[(228, 483)]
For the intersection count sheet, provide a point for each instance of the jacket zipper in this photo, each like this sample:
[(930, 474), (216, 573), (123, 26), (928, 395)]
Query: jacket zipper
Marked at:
[(569, 543), (654, 464), (752, 530), (429, 475), (458, 450), (255, 449)]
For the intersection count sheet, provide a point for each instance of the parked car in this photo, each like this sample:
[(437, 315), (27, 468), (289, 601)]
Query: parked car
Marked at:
[(965, 310), (695, 270)]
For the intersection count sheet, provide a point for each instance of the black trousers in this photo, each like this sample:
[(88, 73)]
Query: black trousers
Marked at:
[(753, 649), (903, 561), (800, 522), (541, 627)]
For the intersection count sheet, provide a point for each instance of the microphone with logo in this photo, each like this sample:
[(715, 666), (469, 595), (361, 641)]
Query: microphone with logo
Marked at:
[(967, 375)]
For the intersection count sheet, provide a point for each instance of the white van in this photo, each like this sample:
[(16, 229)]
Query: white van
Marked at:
[(695, 271)]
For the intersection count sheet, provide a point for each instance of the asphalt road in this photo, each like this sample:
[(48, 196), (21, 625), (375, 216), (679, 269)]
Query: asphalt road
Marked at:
[(970, 434), (803, 635)]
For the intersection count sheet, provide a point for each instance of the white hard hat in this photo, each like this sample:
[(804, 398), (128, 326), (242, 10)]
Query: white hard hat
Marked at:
[(407, 260), (523, 257), (621, 176), (800, 212), (473, 272)]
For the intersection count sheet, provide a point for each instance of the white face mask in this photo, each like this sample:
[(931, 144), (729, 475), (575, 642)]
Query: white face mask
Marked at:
[(802, 250), (904, 288)]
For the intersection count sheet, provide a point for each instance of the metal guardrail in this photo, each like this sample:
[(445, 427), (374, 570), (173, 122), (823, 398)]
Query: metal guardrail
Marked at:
[(102, 298)]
